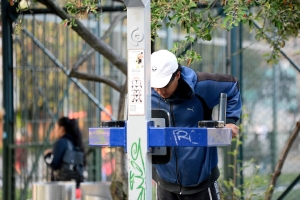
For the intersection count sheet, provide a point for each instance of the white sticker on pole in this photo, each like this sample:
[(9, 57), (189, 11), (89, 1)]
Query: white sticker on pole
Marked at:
[(136, 89)]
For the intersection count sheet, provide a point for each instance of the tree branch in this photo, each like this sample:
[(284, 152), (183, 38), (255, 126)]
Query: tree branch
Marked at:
[(96, 78), (91, 51), (281, 160), (98, 44), (82, 59)]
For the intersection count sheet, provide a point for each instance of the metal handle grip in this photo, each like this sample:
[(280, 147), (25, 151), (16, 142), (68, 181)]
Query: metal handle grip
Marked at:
[(222, 107)]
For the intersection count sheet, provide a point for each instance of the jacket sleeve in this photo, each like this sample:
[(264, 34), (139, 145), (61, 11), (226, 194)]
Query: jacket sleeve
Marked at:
[(209, 86), (59, 149)]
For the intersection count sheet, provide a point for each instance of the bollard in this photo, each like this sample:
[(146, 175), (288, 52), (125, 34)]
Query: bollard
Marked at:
[(62, 190), (95, 191)]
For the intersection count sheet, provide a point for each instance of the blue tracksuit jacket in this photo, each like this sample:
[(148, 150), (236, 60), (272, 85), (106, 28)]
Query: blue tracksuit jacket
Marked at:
[(193, 101)]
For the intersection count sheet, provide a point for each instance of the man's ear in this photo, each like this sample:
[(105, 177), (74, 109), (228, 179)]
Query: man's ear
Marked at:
[(177, 76)]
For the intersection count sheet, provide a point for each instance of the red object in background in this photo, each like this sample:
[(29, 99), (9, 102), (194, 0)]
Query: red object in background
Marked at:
[(77, 115), (108, 162), (104, 116), (20, 157), (109, 167), (78, 193)]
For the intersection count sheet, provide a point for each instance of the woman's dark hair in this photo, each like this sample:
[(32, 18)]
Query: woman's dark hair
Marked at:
[(71, 127)]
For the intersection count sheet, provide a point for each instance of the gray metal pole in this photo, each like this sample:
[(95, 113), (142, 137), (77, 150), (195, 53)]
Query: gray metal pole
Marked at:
[(8, 134), (139, 102), (222, 108), (273, 135), (232, 61), (98, 61), (241, 156)]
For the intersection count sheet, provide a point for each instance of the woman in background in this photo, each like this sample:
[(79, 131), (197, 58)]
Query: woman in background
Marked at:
[(68, 131)]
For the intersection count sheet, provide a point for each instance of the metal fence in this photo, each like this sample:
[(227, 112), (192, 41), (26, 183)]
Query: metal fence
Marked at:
[(271, 96), (46, 51)]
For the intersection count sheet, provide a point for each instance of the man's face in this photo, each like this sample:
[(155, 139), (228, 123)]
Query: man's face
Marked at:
[(170, 88)]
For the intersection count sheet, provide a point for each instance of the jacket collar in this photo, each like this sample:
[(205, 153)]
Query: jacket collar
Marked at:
[(186, 84)]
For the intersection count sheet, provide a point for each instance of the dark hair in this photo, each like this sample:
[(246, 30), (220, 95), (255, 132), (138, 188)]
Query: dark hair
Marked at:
[(71, 127), (179, 69)]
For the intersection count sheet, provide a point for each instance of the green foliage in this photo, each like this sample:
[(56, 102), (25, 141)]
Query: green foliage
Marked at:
[(194, 22), (79, 9), (230, 189), (253, 187), (69, 22), (23, 5), (235, 13), (189, 55), (276, 20), (18, 26)]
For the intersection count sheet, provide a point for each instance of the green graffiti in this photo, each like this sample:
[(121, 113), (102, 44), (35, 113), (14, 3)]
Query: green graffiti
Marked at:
[(131, 178), (137, 170)]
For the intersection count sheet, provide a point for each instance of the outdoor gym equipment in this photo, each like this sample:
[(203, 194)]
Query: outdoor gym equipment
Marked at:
[(144, 134)]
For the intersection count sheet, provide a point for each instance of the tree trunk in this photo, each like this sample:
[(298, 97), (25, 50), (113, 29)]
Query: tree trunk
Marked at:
[(119, 184), (281, 161)]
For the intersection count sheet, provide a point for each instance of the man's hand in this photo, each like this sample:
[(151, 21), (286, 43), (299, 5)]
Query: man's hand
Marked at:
[(234, 128)]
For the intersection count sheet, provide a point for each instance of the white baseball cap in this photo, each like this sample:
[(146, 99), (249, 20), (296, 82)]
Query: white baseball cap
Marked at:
[(163, 65)]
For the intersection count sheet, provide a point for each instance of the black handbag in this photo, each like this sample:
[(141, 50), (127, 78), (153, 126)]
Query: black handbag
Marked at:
[(72, 166)]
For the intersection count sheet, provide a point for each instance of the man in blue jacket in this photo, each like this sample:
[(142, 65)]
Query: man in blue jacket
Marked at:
[(189, 97)]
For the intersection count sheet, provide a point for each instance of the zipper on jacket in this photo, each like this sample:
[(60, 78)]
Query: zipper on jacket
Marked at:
[(172, 115), (177, 171), (176, 157)]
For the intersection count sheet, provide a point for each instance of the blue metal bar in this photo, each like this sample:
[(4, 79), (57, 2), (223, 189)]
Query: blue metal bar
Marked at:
[(188, 137), (113, 136), (163, 137), (176, 136)]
